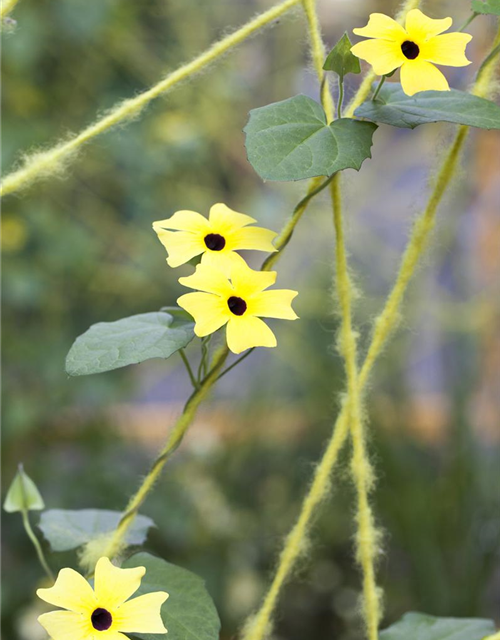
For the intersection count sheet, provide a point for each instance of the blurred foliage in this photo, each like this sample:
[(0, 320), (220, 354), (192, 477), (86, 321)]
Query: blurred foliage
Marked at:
[(81, 250)]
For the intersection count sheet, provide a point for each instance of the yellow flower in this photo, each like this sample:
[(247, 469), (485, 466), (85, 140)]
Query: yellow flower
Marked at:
[(217, 238), (239, 303), (415, 48), (105, 611)]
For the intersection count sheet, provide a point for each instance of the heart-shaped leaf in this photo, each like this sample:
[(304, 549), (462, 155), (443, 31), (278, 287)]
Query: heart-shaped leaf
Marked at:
[(189, 613), (111, 345), (291, 140), (394, 107), (418, 626), (67, 529), (488, 6)]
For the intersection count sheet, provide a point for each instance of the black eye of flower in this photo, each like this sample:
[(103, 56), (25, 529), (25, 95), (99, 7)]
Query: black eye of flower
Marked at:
[(237, 305), (215, 242), (101, 620), (410, 49)]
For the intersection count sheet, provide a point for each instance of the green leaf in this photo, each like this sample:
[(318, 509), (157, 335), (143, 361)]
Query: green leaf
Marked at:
[(291, 140), (189, 613), (341, 60), (491, 7), (66, 529), (23, 494), (394, 107), (111, 345), (419, 626)]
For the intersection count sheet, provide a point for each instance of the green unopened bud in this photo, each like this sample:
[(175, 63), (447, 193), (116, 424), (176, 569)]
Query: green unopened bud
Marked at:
[(341, 60), (23, 494)]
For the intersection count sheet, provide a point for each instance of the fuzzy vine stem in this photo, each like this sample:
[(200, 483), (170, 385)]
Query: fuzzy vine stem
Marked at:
[(7, 7), (50, 162), (175, 438), (363, 476), (295, 543)]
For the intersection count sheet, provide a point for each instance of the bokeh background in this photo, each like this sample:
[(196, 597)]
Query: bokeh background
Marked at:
[(81, 250)]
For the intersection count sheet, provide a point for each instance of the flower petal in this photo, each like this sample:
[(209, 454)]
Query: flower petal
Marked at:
[(114, 585), (381, 26), (61, 625), (208, 278), (419, 75), (247, 282), (184, 221), (420, 27), (70, 591), (383, 55), (222, 260), (246, 332), (210, 312), (448, 49), (142, 614), (181, 246), (256, 238), (223, 219), (273, 304)]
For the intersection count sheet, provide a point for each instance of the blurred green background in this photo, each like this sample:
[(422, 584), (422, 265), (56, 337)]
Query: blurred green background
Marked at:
[(81, 250)]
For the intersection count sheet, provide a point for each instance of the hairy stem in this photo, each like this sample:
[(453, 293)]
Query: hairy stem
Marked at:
[(366, 535), (50, 162), (7, 7), (175, 438)]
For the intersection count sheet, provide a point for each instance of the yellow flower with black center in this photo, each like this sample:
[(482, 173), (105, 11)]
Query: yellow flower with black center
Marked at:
[(188, 234), (239, 303), (105, 611), (415, 48)]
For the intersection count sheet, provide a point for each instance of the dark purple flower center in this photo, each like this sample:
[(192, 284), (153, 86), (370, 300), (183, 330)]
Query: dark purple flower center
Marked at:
[(215, 242), (101, 619), (410, 49), (237, 305)]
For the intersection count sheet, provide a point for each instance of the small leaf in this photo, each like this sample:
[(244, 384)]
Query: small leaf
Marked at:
[(491, 7), (395, 108), (189, 613), (68, 529), (23, 494), (111, 345), (291, 140), (341, 60), (419, 626)]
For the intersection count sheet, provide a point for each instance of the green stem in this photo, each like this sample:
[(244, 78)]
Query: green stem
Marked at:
[(380, 85), (36, 544), (472, 17), (493, 54), (286, 234), (188, 368), (236, 363), (340, 102), (174, 440)]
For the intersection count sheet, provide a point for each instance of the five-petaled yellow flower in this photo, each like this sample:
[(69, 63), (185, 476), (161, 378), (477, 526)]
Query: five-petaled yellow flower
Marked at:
[(239, 303), (188, 234), (415, 48), (105, 611)]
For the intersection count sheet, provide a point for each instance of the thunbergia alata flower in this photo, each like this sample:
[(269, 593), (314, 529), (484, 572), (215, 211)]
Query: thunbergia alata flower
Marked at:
[(188, 234), (104, 611), (239, 302), (416, 48)]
